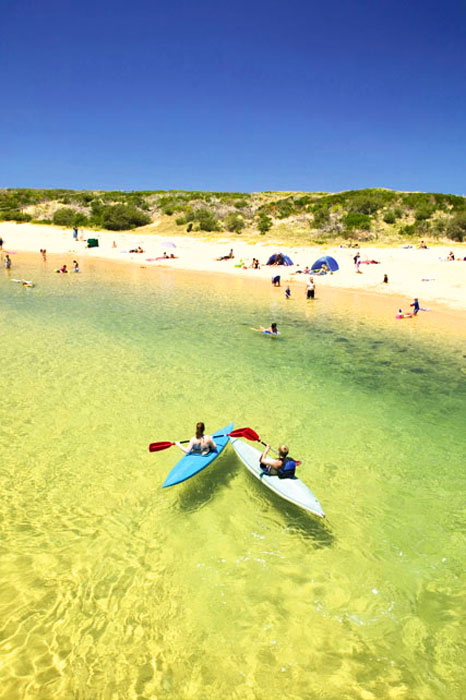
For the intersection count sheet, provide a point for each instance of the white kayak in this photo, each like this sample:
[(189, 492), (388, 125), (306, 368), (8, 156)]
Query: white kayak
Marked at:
[(292, 490)]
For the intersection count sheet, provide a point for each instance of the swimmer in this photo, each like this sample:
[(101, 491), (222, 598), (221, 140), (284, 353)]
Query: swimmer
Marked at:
[(271, 330)]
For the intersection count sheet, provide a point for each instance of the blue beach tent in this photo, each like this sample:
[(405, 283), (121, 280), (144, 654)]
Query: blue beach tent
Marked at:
[(328, 260), (284, 259)]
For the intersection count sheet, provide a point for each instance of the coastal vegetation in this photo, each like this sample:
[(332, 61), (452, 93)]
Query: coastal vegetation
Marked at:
[(377, 215)]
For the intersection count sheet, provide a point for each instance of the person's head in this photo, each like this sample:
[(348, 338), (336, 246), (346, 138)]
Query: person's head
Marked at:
[(200, 427), (274, 327), (283, 451)]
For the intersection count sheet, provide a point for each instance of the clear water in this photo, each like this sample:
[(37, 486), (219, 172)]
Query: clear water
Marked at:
[(111, 587)]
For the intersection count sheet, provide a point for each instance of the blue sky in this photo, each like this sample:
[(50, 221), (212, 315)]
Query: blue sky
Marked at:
[(238, 96)]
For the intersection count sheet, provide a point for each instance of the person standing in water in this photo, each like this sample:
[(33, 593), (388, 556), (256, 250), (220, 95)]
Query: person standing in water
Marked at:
[(199, 443), (310, 289)]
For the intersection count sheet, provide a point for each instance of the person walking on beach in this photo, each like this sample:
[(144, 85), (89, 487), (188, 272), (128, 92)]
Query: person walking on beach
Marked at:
[(357, 261), (199, 443), (288, 293), (415, 306), (7, 262), (310, 289)]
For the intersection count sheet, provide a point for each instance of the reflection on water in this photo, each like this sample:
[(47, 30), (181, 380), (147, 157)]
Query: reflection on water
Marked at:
[(112, 587)]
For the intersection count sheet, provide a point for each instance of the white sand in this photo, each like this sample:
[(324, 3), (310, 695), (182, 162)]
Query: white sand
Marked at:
[(412, 272)]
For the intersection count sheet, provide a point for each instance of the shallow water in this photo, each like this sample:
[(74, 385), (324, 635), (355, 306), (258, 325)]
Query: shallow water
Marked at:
[(111, 587)]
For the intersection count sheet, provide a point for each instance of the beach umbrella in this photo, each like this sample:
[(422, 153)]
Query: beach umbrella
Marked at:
[(328, 260)]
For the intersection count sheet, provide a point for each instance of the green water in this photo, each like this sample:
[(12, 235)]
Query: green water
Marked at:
[(112, 588)]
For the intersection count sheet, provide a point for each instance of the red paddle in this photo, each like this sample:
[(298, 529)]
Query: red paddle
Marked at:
[(247, 433)]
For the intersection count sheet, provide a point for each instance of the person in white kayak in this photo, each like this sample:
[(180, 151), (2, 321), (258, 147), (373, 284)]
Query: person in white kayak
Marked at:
[(282, 466), (199, 443)]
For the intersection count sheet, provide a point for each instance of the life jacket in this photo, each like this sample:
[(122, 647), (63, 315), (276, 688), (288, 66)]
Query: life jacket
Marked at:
[(288, 468)]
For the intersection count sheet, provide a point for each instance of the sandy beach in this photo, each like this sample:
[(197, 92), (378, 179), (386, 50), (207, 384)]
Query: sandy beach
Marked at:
[(412, 272)]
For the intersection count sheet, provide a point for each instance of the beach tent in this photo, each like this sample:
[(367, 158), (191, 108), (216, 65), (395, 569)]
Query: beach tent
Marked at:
[(285, 260), (328, 260)]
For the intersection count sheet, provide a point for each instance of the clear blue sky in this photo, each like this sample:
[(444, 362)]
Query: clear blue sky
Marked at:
[(239, 96)]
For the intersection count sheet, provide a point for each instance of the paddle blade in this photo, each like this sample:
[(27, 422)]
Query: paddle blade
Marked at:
[(247, 433), (159, 446)]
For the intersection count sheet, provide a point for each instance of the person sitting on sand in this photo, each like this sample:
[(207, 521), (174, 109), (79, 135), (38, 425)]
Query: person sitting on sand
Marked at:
[(227, 257), (199, 444), (450, 256), (422, 245), (63, 269)]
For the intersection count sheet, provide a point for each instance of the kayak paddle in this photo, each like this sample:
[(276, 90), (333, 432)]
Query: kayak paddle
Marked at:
[(247, 433)]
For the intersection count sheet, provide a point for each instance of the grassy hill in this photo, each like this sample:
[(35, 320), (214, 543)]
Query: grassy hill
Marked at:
[(376, 215)]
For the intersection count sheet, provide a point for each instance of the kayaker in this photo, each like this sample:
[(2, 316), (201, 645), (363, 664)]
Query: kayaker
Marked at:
[(200, 443), (282, 466)]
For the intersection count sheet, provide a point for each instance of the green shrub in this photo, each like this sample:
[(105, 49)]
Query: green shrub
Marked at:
[(207, 220), (355, 220), (234, 223), (14, 215), (389, 217), (64, 216), (424, 212), (180, 221), (121, 217), (456, 229), (321, 215), (408, 230), (80, 219), (264, 223)]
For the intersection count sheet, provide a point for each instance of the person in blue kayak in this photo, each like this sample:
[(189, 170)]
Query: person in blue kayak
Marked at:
[(282, 466), (199, 444)]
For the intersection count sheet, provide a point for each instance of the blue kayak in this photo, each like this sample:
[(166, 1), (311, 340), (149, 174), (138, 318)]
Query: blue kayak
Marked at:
[(191, 464)]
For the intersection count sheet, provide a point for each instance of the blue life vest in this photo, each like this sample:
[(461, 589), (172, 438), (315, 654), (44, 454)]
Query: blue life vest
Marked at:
[(288, 469)]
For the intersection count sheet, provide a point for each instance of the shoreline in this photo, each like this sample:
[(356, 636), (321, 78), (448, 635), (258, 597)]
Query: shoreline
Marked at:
[(412, 272)]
